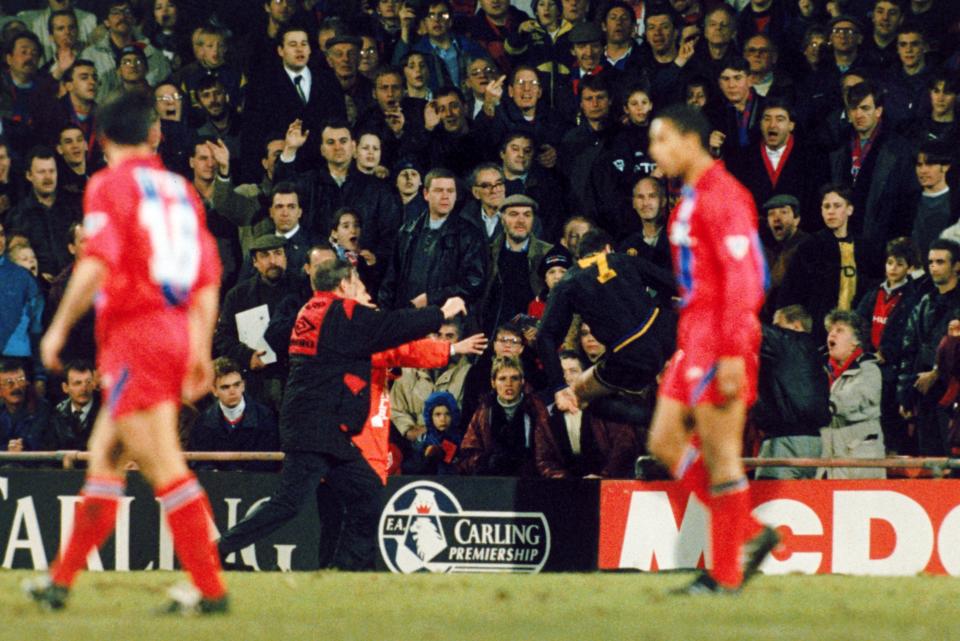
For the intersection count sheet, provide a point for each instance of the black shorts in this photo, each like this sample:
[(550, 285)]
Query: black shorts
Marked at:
[(633, 365)]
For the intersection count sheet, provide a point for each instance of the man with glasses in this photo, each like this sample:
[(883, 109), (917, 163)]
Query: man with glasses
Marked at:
[(446, 53), (24, 417), (521, 112), (480, 73), (845, 36), (343, 56), (117, 18), (766, 79), (489, 190)]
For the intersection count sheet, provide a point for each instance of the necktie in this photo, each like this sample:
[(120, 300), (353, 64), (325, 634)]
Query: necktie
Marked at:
[(296, 81)]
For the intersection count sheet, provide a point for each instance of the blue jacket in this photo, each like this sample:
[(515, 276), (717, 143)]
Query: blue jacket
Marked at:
[(21, 308), (439, 74)]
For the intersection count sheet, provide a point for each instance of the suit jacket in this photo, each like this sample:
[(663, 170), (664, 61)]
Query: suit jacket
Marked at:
[(273, 102), (67, 431)]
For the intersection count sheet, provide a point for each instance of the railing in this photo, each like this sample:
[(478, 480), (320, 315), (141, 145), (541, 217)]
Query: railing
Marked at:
[(69, 458)]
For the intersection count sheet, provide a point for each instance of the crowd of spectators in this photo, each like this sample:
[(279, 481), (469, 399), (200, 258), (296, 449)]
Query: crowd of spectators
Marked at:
[(460, 148)]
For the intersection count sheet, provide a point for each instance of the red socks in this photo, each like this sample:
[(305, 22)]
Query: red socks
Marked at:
[(729, 525), (93, 522), (188, 510), (692, 473)]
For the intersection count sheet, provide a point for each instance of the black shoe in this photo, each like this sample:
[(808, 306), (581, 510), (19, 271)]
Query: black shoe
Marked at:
[(757, 549), (46, 593), (705, 584), (185, 600)]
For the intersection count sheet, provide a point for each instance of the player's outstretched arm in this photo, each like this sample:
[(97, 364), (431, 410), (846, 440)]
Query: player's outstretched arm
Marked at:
[(202, 318), (87, 275)]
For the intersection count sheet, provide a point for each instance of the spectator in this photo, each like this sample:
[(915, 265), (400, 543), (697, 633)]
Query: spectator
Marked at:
[(343, 56), (783, 223), (436, 449), (220, 119), (480, 73), (831, 268), (80, 344), (210, 46), (449, 132), (582, 145), (206, 163), (855, 388), (164, 26), (542, 44), (665, 55), (410, 392), (937, 207), (488, 188), (650, 241), (24, 415), (586, 42), (130, 74), (523, 176), (553, 266), (919, 386), (117, 19), (28, 94), (73, 418), (288, 92), (236, 422), (395, 118), (880, 49), (346, 238), (762, 16), (939, 123), (737, 117), (907, 82), (574, 228), (43, 23), (766, 79), (846, 36), (267, 288), (718, 46), (793, 397), (336, 183), (512, 279), (445, 53), (44, 216), (61, 27), (877, 163), (9, 189), (416, 76), (577, 444), (493, 23), (439, 254), (408, 182), (73, 170), (887, 309), (617, 23), (500, 438)]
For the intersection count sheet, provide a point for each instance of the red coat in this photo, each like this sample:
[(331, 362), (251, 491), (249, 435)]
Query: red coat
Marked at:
[(374, 439)]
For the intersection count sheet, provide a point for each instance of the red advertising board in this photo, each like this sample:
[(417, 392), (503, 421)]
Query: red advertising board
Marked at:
[(882, 528)]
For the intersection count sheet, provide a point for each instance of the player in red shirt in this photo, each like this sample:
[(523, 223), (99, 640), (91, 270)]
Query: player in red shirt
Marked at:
[(712, 377), (155, 272)]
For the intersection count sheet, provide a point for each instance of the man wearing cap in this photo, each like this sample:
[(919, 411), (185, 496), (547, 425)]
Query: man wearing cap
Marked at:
[(845, 34), (267, 288), (783, 224), (131, 74), (515, 254), (553, 266), (586, 45), (343, 56), (117, 18)]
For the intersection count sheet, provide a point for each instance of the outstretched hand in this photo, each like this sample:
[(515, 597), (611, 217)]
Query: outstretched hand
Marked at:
[(475, 344), (453, 306)]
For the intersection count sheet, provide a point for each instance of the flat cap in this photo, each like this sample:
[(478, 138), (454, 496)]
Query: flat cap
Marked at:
[(344, 39), (585, 32), (782, 200), (519, 200), (267, 241)]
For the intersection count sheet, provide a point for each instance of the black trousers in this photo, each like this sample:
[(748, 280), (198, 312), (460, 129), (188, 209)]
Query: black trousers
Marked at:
[(353, 484)]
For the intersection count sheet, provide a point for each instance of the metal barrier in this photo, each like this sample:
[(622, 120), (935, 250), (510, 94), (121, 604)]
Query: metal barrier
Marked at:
[(69, 458)]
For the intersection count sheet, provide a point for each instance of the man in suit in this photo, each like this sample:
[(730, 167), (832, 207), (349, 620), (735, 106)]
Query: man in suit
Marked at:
[(73, 417), (291, 91)]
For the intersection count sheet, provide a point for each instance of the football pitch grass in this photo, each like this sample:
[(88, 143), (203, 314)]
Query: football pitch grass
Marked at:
[(427, 607)]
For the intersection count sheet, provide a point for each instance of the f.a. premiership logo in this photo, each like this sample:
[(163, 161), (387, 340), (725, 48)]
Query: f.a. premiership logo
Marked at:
[(424, 529)]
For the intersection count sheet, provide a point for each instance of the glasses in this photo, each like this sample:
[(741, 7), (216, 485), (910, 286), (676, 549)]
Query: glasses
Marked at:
[(132, 62), (369, 52), (174, 97), (120, 12), (13, 382), (527, 83), (477, 73), (491, 186), (508, 340), (756, 51), (843, 31), (439, 16)]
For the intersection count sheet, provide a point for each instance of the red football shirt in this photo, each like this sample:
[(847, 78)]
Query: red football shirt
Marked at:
[(148, 226)]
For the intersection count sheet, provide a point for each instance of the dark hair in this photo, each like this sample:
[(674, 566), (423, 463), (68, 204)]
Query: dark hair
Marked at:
[(208, 81), (29, 35), (936, 152), (617, 4), (290, 27), (727, 9), (688, 120), (106, 6), (449, 90), (484, 166), (225, 365), (662, 9), (58, 13), (592, 242), (389, 70), (951, 81), (513, 135), (904, 248), (343, 211), (779, 102), (597, 82), (79, 365), (284, 187), (437, 172), (569, 353), (335, 123), (127, 118), (330, 273), (944, 244), (841, 189), (79, 62), (851, 319), (10, 365), (797, 314), (38, 152), (912, 26), (508, 328), (737, 64), (861, 91)]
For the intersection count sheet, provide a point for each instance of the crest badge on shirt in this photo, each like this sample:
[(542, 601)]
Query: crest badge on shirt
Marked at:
[(738, 246)]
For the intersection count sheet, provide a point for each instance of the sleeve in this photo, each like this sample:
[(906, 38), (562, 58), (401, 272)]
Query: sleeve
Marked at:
[(473, 450), (403, 408), (553, 331), (211, 269), (237, 208), (742, 274), (472, 268), (423, 353), (855, 401), (226, 342), (377, 331), (103, 232), (547, 454), (908, 355)]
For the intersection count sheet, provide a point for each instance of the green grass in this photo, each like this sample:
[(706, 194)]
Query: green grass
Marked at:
[(383, 607)]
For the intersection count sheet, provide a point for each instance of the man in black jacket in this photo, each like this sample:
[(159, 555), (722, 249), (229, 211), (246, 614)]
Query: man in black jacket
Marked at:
[(327, 402), (793, 400), (438, 255)]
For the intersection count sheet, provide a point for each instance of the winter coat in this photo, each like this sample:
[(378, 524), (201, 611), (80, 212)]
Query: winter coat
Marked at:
[(607, 449), (495, 446), (926, 326)]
